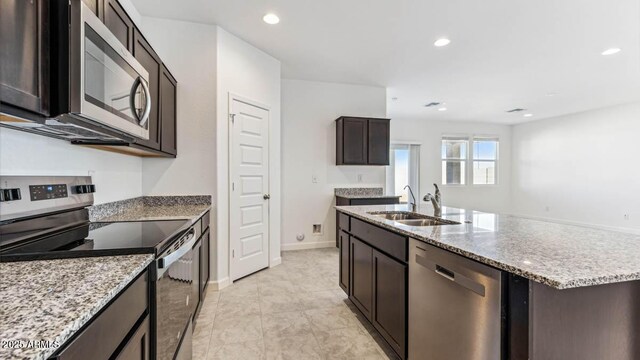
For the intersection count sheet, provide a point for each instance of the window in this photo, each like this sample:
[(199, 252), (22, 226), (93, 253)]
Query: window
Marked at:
[(454, 158), (485, 161), (404, 169)]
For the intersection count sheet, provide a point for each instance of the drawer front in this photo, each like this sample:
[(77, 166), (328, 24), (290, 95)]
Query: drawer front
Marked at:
[(100, 339), (205, 221), (343, 222), (384, 240)]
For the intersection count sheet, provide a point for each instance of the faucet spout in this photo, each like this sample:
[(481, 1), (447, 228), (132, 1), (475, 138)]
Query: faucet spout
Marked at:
[(413, 205), (436, 201)]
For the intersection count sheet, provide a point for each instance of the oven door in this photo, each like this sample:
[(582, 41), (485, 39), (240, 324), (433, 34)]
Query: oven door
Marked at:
[(174, 302), (114, 86)]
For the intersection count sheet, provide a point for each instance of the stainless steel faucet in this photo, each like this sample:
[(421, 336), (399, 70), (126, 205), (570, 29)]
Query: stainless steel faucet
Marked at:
[(413, 206), (436, 201)]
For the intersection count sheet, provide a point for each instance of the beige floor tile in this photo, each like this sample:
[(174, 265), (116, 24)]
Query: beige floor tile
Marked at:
[(320, 299), (238, 307), (301, 347), (347, 343), (235, 330), (248, 350), (239, 291), (270, 304), (276, 287), (285, 324), (331, 318)]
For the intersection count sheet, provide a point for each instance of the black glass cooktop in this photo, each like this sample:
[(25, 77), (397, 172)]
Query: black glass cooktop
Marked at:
[(100, 239)]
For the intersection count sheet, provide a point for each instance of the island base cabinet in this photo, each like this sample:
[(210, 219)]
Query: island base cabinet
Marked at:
[(362, 276), (390, 300)]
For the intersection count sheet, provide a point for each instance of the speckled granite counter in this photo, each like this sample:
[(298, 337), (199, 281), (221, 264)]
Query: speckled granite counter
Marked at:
[(152, 208), (50, 300), (561, 256), (362, 193)]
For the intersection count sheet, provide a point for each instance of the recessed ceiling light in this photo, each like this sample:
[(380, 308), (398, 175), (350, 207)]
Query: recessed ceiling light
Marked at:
[(527, 115), (394, 98), (442, 109), (611, 51), (271, 19), (442, 42)]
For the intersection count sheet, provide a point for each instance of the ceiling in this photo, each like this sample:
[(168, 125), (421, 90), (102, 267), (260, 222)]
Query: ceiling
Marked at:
[(541, 55)]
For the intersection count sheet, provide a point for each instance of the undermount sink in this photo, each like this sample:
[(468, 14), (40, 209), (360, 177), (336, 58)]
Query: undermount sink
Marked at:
[(413, 219)]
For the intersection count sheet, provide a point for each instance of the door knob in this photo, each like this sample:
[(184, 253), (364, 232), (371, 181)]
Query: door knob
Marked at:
[(266, 196)]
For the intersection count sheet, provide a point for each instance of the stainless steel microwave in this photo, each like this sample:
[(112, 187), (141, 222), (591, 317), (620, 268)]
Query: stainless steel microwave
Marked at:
[(98, 85)]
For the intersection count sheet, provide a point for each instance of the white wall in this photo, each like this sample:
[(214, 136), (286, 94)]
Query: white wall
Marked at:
[(428, 133), (580, 168), (117, 176), (245, 71), (308, 149), (189, 52)]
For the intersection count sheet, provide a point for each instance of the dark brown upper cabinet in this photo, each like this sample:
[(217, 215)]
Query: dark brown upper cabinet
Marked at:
[(119, 23), (168, 112), (148, 58), (24, 59), (362, 141), (97, 6)]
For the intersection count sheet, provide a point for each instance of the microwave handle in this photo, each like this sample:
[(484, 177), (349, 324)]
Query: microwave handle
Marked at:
[(142, 120), (147, 107)]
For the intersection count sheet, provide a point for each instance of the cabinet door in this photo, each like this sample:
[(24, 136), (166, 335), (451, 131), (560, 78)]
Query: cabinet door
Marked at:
[(119, 23), (362, 276), (143, 52), (195, 277), (168, 112), (354, 141), (378, 142), (389, 315), (97, 7), (204, 263), (137, 348), (24, 59), (343, 243)]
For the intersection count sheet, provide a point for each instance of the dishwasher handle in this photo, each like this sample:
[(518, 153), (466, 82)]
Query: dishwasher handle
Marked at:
[(454, 277)]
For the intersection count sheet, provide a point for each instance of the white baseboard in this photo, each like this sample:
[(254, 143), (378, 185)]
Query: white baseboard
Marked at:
[(276, 261), (579, 223), (217, 285), (307, 245)]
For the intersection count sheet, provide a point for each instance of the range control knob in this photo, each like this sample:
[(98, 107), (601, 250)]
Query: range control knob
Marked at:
[(10, 194), (85, 189)]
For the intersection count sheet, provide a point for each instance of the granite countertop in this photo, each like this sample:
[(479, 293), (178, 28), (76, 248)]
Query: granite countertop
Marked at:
[(362, 193), (560, 256), (148, 208), (50, 300)]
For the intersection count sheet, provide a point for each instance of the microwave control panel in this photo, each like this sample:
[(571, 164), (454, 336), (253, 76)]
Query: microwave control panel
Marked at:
[(48, 192)]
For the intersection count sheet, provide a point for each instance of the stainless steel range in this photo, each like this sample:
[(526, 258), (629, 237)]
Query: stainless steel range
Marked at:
[(47, 218)]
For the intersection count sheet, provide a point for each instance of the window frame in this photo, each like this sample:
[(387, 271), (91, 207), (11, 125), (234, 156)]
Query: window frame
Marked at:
[(468, 161), (465, 161), (472, 158), (390, 170)]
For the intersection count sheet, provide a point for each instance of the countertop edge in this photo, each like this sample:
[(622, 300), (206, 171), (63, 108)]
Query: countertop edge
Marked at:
[(551, 282), (89, 315)]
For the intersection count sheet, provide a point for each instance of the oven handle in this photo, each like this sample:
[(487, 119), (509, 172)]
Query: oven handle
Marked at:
[(165, 262), (142, 120)]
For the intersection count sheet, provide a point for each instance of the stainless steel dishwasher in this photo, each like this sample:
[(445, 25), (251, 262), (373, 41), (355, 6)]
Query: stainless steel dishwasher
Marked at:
[(454, 306)]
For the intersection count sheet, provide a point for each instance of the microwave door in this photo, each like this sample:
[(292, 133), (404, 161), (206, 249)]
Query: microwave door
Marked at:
[(114, 86)]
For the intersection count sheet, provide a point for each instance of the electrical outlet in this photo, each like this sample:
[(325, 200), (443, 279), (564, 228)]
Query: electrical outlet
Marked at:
[(314, 179), (546, 208), (317, 229), (360, 177), (627, 217)]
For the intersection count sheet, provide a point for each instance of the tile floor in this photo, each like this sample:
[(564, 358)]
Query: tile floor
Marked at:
[(295, 311)]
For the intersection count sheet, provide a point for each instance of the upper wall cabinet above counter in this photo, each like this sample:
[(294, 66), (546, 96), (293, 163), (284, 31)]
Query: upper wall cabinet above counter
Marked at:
[(362, 141), (81, 71)]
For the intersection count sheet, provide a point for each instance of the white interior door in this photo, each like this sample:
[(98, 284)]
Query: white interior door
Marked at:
[(249, 193)]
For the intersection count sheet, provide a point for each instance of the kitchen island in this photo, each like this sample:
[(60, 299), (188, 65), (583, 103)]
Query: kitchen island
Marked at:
[(563, 292)]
